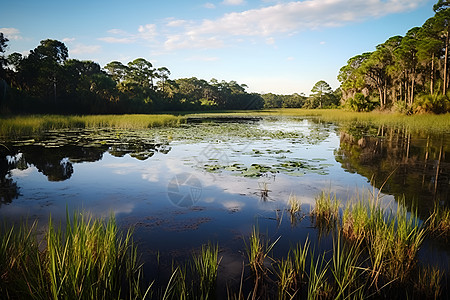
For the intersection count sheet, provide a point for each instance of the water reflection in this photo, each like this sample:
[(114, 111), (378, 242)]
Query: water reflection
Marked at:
[(55, 160), (413, 165)]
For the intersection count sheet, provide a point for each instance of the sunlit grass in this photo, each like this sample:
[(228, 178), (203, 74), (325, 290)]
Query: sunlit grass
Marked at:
[(421, 122), (27, 125), (205, 266), (326, 209), (439, 222), (90, 259)]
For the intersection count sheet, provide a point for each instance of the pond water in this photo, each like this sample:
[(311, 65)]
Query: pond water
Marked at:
[(213, 179)]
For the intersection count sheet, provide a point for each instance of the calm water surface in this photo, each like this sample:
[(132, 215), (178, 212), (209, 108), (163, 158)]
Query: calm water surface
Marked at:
[(213, 179)]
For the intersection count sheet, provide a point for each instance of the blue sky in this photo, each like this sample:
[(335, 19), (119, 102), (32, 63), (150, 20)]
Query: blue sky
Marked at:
[(271, 45)]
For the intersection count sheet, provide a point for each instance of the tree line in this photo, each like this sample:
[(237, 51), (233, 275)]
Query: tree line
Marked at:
[(409, 73), (48, 81)]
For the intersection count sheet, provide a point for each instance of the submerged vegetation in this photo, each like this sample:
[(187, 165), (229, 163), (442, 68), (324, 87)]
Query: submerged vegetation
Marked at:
[(374, 255)]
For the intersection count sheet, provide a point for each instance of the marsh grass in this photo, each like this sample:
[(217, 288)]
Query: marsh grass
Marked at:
[(418, 122), (21, 263), (205, 266), (258, 252), (326, 209), (294, 209), (90, 259), (195, 279), (429, 282), (294, 204), (35, 124), (348, 275), (439, 222)]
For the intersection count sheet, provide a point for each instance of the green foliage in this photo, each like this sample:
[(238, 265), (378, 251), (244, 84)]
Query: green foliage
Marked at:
[(360, 103), (436, 103), (46, 81), (283, 101), (322, 96), (90, 259), (404, 67)]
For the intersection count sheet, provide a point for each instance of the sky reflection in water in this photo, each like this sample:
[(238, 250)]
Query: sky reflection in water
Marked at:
[(227, 204)]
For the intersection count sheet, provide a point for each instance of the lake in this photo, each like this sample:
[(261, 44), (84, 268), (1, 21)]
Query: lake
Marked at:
[(213, 179)]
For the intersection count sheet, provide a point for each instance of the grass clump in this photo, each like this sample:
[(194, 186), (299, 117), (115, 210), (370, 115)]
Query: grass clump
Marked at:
[(439, 222), (195, 279), (206, 266), (90, 259), (326, 210)]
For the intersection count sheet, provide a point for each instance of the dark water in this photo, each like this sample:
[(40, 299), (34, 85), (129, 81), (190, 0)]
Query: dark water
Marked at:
[(212, 180)]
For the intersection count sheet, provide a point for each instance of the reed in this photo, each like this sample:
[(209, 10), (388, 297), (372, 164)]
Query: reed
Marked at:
[(35, 124), (205, 268), (318, 286), (89, 260), (422, 122), (21, 263), (348, 275), (258, 252), (326, 209), (286, 276), (299, 256), (429, 282), (294, 204), (406, 235), (439, 222)]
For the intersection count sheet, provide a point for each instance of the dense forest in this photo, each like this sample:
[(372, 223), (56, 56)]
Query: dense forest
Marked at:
[(47, 81), (408, 74)]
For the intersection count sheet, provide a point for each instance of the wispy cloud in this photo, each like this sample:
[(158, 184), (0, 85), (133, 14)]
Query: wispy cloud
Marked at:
[(11, 33), (275, 19), (202, 58), (287, 18), (85, 49), (192, 41), (68, 40), (146, 32), (233, 2), (209, 5)]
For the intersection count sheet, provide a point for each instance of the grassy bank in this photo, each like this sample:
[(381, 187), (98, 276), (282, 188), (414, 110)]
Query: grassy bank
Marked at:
[(374, 256), (438, 123), (26, 125), (89, 259)]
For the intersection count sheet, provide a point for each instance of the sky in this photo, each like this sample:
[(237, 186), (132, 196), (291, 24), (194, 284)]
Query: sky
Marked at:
[(276, 46)]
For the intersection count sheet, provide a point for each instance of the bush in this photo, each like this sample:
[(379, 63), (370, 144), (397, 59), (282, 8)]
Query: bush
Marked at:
[(436, 103), (360, 103)]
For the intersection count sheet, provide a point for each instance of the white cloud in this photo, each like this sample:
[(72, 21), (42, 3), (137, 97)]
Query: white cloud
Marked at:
[(270, 41), (115, 40), (176, 23), (11, 33), (290, 58), (301, 15), (209, 5), (233, 2), (192, 41), (146, 32), (285, 18), (203, 58), (85, 49), (68, 40)]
